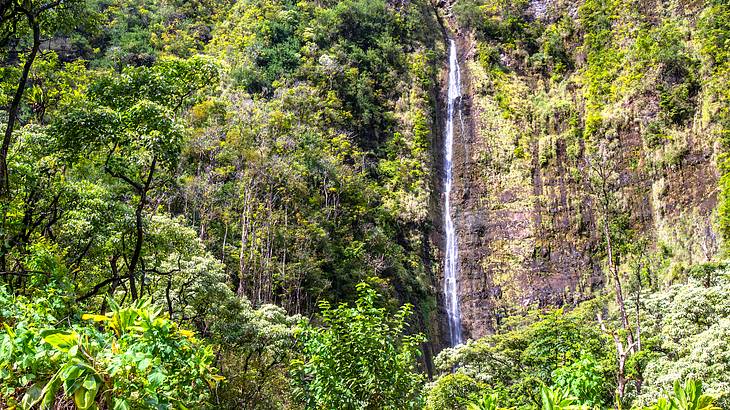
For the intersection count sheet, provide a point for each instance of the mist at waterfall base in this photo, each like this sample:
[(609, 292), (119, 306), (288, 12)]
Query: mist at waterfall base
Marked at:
[(451, 283)]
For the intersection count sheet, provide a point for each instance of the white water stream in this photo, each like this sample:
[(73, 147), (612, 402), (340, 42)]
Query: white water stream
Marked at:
[(451, 265)]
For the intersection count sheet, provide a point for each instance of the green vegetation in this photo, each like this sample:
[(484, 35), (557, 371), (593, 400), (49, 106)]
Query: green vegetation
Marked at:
[(360, 359), (688, 397), (714, 27), (136, 358), (214, 166), (234, 204), (684, 329), (560, 349)]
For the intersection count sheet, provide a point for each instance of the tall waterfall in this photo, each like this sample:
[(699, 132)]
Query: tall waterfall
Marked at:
[(451, 266)]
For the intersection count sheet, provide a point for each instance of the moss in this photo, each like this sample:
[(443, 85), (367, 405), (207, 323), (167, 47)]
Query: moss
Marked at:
[(421, 133), (423, 67), (620, 83), (676, 103), (603, 60), (714, 34), (487, 55), (546, 150), (654, 134), (553, 56), (519, 152)]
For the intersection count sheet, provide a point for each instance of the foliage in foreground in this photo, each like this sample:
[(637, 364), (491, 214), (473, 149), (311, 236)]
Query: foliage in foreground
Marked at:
[(687, 397), (562, 349), (128, 358), (359, 359), (685, 329)]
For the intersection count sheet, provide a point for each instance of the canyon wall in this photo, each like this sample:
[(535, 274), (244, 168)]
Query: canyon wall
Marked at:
[(538, 181)]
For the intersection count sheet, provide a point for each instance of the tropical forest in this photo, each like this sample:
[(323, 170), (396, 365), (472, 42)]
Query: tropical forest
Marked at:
[(365, 204)]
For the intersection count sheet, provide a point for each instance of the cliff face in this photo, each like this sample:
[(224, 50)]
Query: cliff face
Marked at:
[(546, 166)]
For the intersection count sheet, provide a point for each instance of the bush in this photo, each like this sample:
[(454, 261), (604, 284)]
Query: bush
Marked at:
[(451, 391), (558, 349), (130, 358), (360, 359)]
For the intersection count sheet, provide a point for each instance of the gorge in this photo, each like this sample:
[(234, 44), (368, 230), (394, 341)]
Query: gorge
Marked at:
[(364, 204)]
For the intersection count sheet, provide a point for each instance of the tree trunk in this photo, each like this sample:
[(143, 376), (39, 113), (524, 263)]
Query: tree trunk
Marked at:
[(617, 284), (242, 266), (15, 105), (139, 230), (621, 379), (621, 354)]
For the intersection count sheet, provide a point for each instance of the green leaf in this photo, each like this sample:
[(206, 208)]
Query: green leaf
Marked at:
[(49, 392), (95, 318), (156, 378), (72, 376), (62, 341), (144, 364), (121, 404), (547, 402), (90, 382), (9, 330), (84, 398), (32, 396)]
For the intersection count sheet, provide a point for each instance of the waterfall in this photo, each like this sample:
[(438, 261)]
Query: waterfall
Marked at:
[(451, 283)]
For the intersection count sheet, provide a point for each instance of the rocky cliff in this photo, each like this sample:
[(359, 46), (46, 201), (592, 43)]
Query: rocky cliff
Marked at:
[(576, 130)]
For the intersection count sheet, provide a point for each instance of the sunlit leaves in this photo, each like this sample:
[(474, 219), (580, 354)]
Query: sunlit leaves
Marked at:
[(134, 354), (560, 348), (360, 358)]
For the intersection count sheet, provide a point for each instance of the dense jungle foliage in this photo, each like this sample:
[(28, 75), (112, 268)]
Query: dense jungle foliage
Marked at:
[(231, 204)]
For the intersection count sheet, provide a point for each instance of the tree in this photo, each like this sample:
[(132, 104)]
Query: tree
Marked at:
[(688, 336), (517, 363), (128, 124), (17, 18), (453, 391), (359, 359), (136, 142), (602, 185)]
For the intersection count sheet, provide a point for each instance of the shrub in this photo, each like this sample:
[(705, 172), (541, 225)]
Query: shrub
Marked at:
[(130, 358), (359, 359)]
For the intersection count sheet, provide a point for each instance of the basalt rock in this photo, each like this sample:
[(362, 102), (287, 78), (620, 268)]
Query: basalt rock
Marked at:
[(525, 208)]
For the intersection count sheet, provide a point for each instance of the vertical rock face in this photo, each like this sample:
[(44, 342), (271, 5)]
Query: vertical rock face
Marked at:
[(526, 194)]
